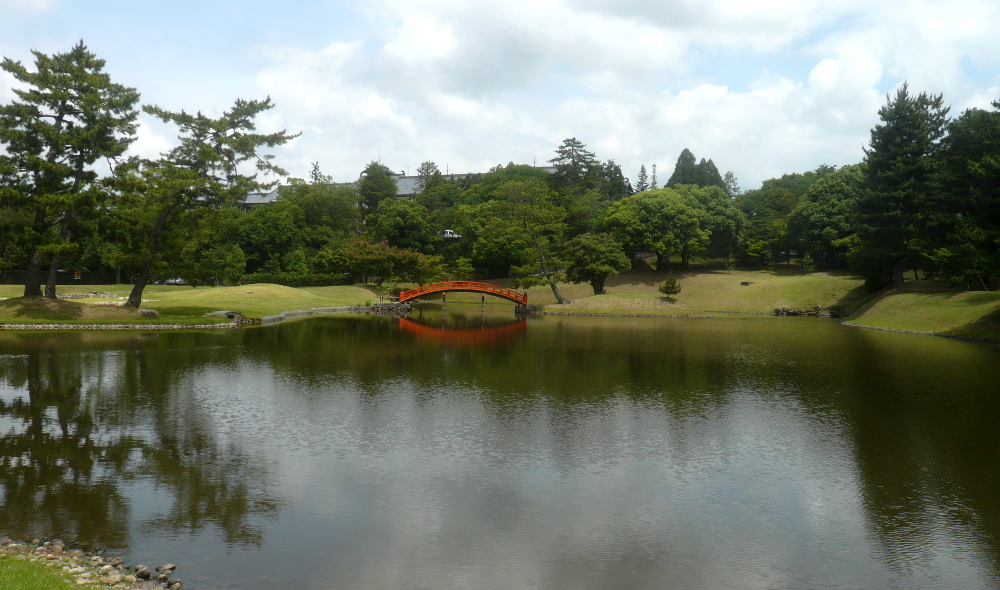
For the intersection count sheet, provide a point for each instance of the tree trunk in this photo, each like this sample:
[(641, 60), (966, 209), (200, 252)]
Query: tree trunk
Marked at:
[(555, 291), (659, 261), (33, 282), (598, 285), (685, 257), (916, 277), (135, 297), (50, 285), (897, 275)]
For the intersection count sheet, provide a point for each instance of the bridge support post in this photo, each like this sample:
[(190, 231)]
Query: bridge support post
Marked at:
[(482, 308), (444, 300)]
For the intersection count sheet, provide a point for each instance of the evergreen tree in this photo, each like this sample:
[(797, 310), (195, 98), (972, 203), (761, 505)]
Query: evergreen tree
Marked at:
[(175, 197), (375, 185), (732, 185), (577, 169), (617, 186), (900, 159), (685, 171), (424, 173), (653, 185), (68, 116), (642, 181)]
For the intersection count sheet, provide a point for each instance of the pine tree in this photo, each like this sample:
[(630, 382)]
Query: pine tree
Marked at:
[(900, 162), (642, 181), (69, 116), (577, 169), (653, 185)]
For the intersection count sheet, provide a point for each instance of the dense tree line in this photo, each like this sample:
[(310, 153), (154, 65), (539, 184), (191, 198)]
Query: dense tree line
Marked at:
[(924, 199)]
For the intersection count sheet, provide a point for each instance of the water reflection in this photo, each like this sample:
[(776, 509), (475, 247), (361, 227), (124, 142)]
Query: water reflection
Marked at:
[(475, 337), (570, 453), (85, 419)]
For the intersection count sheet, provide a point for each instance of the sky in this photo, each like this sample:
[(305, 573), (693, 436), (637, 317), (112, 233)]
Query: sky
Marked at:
[(762, 87)]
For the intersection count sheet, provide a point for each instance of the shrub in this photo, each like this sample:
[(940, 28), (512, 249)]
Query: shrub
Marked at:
[(671, 286)]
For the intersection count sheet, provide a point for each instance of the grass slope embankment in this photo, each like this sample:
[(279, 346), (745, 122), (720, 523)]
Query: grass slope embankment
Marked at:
[(706, 291), (932, 306), (175, 304)]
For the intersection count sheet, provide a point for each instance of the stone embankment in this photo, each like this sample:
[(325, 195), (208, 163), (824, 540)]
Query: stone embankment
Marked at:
[(392, 308), (144, 327), (834, 311), (91, 569)]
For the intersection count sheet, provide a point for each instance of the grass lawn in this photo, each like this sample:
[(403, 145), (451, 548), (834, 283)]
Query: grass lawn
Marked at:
[(175, 304), (933, 306), (708, 290), (16, 574)]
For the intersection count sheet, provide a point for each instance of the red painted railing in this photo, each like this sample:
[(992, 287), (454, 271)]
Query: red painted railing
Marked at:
[(468, 286)]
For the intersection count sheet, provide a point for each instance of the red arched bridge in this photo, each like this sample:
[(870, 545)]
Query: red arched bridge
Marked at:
[(468, 287)]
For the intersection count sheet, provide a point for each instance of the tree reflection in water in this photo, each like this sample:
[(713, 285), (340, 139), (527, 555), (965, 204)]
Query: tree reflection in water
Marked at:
[(84, 416)]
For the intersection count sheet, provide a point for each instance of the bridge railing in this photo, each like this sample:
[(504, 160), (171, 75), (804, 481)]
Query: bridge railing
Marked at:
[(473, 286)]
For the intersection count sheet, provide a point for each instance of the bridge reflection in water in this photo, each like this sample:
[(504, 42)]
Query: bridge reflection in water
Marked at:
[(481, 337)]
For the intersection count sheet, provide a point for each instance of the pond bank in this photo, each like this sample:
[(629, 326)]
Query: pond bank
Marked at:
[(86, 568)]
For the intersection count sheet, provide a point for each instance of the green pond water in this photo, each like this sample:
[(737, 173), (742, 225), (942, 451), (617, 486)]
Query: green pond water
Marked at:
[(482, 452)]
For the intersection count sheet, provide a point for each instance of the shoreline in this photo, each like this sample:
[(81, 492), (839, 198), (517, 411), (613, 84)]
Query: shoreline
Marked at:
[(90, 569), (299, 313)]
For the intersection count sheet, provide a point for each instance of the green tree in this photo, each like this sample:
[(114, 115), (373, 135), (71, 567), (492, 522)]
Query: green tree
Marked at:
[(403, 224), (964, 228), (67, 116), (267, 233), (671, 286), (617, 186), (577, 169), (719, 217), (687, 171), (375, 185), (732, 184), (330, 211), (642, 181), (825, 216), (519, 227), (900, 163), (653, 183), (197, 177), (592, 258), (424, 173), (662, 221)]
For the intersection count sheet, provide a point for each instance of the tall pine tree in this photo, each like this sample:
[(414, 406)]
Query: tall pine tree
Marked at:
[(900, 162), (68, 116)]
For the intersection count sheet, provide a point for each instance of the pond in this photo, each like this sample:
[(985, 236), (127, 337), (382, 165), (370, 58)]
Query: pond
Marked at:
[(481, 451)]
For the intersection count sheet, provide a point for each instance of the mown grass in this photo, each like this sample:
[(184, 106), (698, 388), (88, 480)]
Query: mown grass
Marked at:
[(16, 574), (933, 306), (175, 304), (707, 290)]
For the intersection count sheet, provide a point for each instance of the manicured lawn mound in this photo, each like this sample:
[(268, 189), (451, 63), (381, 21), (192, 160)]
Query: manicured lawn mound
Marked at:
[(40, 310), (16, 574), (253, 301), (175, 304), (711, 290), (934, 307)]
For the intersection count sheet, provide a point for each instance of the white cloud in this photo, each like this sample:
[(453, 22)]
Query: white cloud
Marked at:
[(473, 84), (151, 140)]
